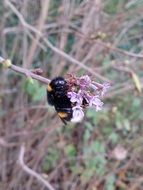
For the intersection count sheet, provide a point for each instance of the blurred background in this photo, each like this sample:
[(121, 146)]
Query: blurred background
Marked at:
[(103, 39)]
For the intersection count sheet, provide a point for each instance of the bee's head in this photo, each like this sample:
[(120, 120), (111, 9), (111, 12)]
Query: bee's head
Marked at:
[(59, 86)]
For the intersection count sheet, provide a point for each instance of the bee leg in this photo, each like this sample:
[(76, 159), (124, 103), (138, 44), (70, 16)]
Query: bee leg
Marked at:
[(63, 120)]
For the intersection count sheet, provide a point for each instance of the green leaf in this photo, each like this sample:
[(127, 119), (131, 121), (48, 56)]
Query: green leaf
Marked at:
[(114, 137), (40, 94), (96, 163), (89, 126), (106, 62), (110, 183), (91, 113), (126, 124), (35, 90), (112, 6), (137, 82), (86, 135), (97, 147), (136, 103), (86, 175), (119, 119), (50, 159), (70, 150), (31, 88)]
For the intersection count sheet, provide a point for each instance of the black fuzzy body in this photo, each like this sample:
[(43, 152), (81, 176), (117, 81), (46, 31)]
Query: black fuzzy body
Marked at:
[(57, 97)]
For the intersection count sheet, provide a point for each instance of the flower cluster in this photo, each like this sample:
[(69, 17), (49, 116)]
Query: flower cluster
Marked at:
[(83, 92)]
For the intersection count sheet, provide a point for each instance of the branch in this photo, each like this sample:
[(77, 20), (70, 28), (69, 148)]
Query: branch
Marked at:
[(51, 46), (110, 46), (7, 63), (30, 171), (127, 53)]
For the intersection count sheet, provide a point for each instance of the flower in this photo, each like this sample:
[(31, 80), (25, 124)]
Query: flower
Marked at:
[(93, 86), (105, 88), (84, 81), (87, 96), (84, 92), (95, 101), (78, 114), (75, 97), (100, 89), (119, 152)]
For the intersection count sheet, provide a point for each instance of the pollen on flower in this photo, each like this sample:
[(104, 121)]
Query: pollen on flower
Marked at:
[(83, 93)]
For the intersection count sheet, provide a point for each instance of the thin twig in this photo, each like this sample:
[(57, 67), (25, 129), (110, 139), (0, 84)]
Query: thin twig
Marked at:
[(109, 46), (30, 171), (41, 22), (26, 72), (127, 53)]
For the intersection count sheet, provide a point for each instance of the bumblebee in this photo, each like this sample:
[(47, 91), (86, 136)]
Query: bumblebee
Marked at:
[(57, 97)]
